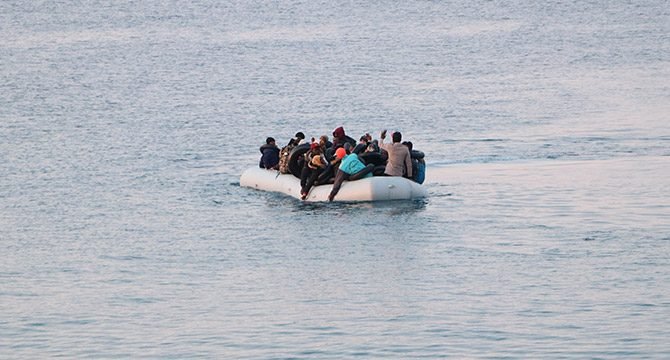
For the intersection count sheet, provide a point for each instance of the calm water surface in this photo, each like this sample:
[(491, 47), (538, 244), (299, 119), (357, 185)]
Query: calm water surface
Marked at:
[(124, 128)]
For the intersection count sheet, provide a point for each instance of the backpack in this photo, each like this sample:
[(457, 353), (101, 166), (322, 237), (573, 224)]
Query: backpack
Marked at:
[(284, 155)]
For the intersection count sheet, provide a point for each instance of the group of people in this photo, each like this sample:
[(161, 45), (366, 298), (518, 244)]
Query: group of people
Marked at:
[(341, 160)]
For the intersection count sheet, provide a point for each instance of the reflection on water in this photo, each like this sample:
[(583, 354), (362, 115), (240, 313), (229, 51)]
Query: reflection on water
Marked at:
[(395, 207)]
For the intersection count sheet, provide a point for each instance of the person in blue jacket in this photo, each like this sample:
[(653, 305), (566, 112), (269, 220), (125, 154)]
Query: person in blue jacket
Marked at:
[(418, 163), (351, 168), (270, 157)]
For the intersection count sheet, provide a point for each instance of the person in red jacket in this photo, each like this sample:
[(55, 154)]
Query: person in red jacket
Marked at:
[(339, 138)]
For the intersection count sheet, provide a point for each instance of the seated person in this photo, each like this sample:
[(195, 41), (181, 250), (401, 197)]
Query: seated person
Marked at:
[(315, 164), (351, 168), (399, 161), (340, 138), (270, 157)]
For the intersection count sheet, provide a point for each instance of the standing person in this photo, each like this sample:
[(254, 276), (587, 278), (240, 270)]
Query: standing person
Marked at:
[(270, 158), (351, 168), (399, 161)]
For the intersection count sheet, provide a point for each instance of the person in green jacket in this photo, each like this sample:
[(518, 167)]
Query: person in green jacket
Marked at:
[(351, 168)]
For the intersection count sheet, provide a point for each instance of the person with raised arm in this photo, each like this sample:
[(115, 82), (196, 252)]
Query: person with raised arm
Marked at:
[(399, 162)]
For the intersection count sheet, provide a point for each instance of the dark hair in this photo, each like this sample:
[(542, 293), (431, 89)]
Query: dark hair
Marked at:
[(269, 140), (408, 144), (299, 134), (397, 136)]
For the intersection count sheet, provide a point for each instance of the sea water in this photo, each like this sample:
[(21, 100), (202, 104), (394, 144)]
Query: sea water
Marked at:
[(124, 127)]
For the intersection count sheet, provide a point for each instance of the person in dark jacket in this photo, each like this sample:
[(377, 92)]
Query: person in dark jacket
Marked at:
[(363, 144), (339, 138), (418, 163), (295, 141), (270, 157)]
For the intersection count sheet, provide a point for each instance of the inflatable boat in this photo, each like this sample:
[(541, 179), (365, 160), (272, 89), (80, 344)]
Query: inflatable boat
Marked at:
[(375, 188)]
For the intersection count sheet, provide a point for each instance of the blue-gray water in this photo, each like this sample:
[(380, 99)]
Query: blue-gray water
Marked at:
[(124, 127)]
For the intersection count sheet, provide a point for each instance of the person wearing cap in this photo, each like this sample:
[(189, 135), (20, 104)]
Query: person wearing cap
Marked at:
[(351, 168), (399, 162), (270, 155), (315, 164)]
